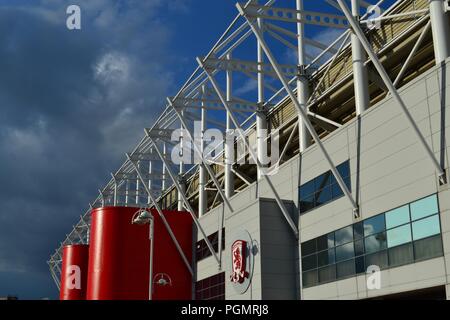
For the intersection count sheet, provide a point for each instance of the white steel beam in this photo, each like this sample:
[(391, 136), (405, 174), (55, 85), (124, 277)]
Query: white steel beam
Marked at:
[(441, 30), (360, 75), (250, 148), (186, 203), (203, 175), (261, 115), (302, 79), (386, 79), (301, 112), (201, 156), (229, 140)]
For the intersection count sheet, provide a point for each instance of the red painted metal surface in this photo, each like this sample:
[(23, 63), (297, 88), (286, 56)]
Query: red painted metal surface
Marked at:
[(119, 258), (167, 262), (74, 272)]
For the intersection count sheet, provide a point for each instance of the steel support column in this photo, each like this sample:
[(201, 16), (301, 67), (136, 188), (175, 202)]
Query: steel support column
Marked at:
[(441, 30), (229, 139), (164, 173), (393, 91), (261, 116), (202, 158), (302, 80), (186, 202), (150, 170), (181, 171), (360, 75), (202, 194), (300, 110), (250, 149)]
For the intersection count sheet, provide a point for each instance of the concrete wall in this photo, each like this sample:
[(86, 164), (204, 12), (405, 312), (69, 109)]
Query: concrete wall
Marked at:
[(388, 168)]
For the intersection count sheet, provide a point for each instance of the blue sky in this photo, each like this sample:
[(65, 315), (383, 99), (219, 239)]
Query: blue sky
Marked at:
[(73, 102)]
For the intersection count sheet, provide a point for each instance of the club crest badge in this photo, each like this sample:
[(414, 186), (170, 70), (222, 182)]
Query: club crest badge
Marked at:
[(238, 254)]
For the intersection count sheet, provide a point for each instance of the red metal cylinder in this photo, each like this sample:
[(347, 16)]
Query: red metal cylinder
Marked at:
[(74, 272), (119, 256), (171, 278)]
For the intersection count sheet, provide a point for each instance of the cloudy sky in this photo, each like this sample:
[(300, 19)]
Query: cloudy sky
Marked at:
[(71, 104)]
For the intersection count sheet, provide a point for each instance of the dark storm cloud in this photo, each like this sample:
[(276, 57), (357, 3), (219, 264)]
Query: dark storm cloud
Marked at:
[(71, 104)]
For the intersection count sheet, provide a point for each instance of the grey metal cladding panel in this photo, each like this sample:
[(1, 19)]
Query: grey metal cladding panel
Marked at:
[(279, 250)]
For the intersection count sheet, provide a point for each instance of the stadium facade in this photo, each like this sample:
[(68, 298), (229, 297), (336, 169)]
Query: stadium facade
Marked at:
[(357, 204)]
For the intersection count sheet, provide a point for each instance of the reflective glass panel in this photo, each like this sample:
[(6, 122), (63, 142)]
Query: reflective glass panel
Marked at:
[(424, 207), (326, 257), (397, 217), (307, 189), (343, 235), (426, 227), (375, 242), (399, 235), (374, 225), (345, 252)]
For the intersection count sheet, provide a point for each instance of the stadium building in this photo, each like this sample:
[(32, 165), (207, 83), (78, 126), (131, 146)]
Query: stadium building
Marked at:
[(354, 202)]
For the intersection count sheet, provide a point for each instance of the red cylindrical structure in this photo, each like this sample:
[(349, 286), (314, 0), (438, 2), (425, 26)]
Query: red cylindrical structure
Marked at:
[(119, 256), (167, 262), (74, 272)]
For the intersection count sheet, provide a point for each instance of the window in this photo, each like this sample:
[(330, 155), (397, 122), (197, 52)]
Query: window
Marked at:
[(424, 207), (426, 227), (397, 217), (201, 249), (344, 235), (212, 288), (374, 225), (400, 236), (345, 252), (375, 242), (323, 188)]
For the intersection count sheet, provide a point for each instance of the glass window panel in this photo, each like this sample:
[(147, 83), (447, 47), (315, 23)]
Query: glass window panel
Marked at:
[(322, 243), (307, 189), (399, 235), (307, 203), (327, 274), (330, 237), (344, 169), (309, 262), (426, 227), (428, 248), (379, 259), (345, 252), (374, 225), (359, 265), (310, 278), (358, 230), (322, 181), (375, 243), (343, 235), (346, 268), (336, 191), (323, 196), (359, 247), (397, 217), (309, 247), (326, 257), (348, 183), (424, 207), (401, 255)]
